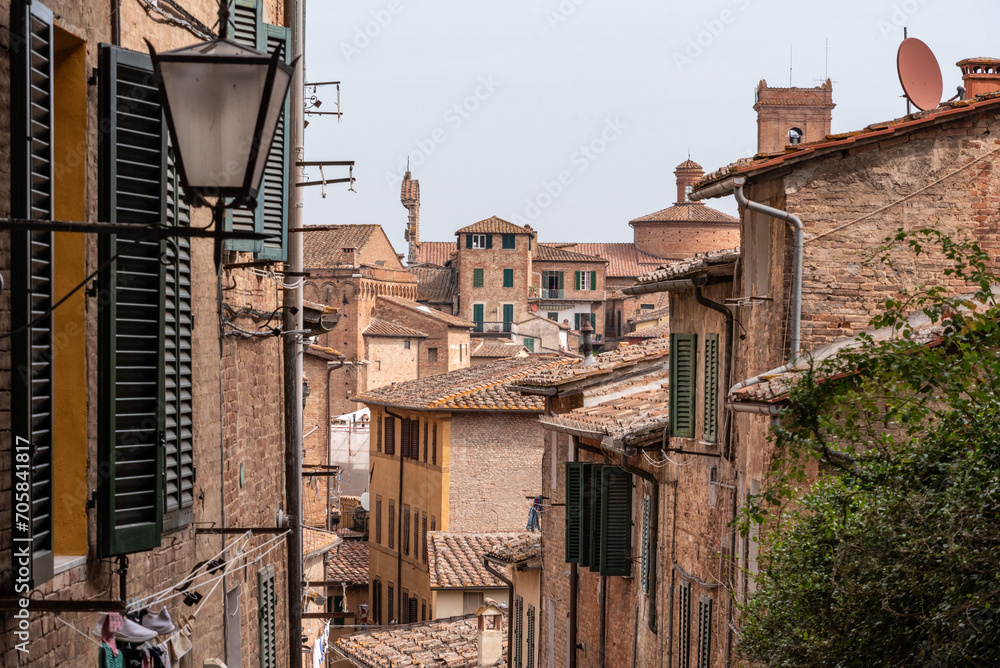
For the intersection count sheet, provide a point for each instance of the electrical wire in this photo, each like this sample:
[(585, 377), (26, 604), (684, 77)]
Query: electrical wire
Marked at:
[(188, 22)]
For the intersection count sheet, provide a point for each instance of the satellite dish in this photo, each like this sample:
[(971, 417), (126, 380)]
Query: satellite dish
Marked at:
[(534, 307), (364, 501), (919, 74)]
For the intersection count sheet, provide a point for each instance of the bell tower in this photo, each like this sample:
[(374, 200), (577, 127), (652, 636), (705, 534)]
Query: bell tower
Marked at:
[(409, 195), (790, 116)]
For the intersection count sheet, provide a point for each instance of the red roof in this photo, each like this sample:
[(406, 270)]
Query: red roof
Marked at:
[(547, 253), (625, 260), (378, 327), (684, 212), (435, 252), (349, 563), (493, 225)]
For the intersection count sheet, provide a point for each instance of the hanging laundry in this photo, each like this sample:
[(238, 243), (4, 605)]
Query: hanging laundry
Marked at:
[(108, 657)]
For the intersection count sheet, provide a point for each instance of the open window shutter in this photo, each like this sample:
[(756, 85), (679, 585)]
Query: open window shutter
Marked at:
[(682, 389), (247, 29), (468, 241), (594, 516), (133, 161), (576, 280), (574, 502), (179, 472), (593, 280), (31, 181), (684, 625), (711, 398), (616, 521), (560, 279), (489, 241), (266, 603), (586, 514), (644, 576), (273, 198), (704, 632)]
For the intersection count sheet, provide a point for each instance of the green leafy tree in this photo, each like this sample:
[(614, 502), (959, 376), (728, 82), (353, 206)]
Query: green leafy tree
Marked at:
[(892, 557)]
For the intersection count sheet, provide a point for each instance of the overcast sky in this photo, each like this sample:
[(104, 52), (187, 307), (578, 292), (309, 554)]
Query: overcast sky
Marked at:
[(572, 114)]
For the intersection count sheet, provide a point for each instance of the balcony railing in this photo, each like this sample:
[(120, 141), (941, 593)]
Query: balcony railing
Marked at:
[(484, 327), (553, 294)]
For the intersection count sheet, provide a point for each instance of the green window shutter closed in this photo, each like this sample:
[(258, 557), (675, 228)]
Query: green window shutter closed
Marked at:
[(468, 241), (576, 321), (508, 278), (272, 200), (179, 472), (711, 409), (31, 197), (508, 241), (130, 420), (529, 344), (246, 28), (576, 280), (477, 278), (574, 507), (267, 640), (593, 280), (508, 314), (682, 389), (477, 313), (560, 274), (489, 241), (616, 521), (594, 516)]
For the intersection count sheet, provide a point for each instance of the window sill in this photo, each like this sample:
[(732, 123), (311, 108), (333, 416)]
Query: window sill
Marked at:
[(63, 564)]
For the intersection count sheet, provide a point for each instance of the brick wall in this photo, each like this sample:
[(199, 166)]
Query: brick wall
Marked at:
[(677, 241), (781, 109), (493, 295)]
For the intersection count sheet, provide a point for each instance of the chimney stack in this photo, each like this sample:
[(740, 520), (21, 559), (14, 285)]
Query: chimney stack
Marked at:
[(688, 173), (980, 75), (409, 195)]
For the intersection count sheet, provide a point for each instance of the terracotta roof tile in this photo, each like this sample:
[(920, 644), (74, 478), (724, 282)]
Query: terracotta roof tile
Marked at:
[(525, 546), (547, 253), (435, 285), (349, 563), (655, 332), (436, 252), (625, 418), (456, 559), (574, 369), (478, 388), (625, 260), (497, 349), (688, 164), (378, 327), (322, 245), (717, 262), (442, 643), (687, 212), (447, 318), (317, 539), (493, 225)]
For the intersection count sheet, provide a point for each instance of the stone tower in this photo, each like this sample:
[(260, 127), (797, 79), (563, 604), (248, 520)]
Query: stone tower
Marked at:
[(792, 115), (409, 195)]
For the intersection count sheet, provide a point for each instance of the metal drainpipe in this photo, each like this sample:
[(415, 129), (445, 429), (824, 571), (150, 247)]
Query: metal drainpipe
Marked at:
[(510, 608), (399, 524), (330, 368), (654, 520)]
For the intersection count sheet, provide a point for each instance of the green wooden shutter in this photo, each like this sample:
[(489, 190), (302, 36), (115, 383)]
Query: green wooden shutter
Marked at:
[(594, 517), (576, 280), (508, 241), (710, 417), (560, 274), (529, 344), (267, 640), (576, 321), (684, 625), (477, 316), (477, 278), (645, 561), (130, 381), (468, 241), (246, 29), (574, 507), (179, 471), (489, 241), (272, 201), (682, 388), (616, 521), (508, 278), (587, 514), (508, 316), (593, 280), (704, 650), (31, 181)]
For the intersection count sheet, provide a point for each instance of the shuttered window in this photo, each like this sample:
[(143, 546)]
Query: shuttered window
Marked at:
[(587, 515), (266, 604), (508, 278), (530, 658), (378, 433), (271, 214), (423, 538), (704, 632), (378, 520), (477, 278), (616, 521), (406, 530), (593, 516), (390, 603), (593, 280), (404, 439), (507, 242), (508, 316), (130, 374), (179, 468), (434, 444), (376, 606), (392, 526), (682, 384), (574, 503), (645, 561), (403, 607), (710, 417), (426, 443), (390, 436), (31, 197), (684, 625), (413, 608), (518, 631), (415, 440)]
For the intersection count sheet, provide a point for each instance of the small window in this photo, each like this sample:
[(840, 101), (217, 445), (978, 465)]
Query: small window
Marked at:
[(646, 307), (508, 242), (479, 241), (508, 278), (471, 601), (477, 278), (583, 280), (378, 520), (391, 543), (432, 354), (795, 136), (406, 344), (551, 315)]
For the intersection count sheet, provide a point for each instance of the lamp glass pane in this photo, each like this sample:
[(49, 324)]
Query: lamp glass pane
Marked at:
[(282, 79)]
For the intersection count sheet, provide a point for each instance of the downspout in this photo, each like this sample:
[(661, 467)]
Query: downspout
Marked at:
[(654, 520), (330, 368), (399, 524), (510, 607), (292, 349)]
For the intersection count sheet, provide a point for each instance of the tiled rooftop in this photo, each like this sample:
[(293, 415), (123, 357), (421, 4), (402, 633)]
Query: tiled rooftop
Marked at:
[(475, 388), (349, 563), (574, 369), (834, 143), (456, 559), (497, 349), (525, 546), (624, 259), (547, 253), (317, 539), (322, 245), (645, 315), (711, 263), (447, 318), (443, 643), (436, 252), (435, 285), (655, 332), (493, 225), (628, 417), (378, 327), (687, 212)]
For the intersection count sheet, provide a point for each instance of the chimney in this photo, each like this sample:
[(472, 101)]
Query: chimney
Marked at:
[(409, 195), (349, 256), (688, 173), (489, 636), (980, 75)]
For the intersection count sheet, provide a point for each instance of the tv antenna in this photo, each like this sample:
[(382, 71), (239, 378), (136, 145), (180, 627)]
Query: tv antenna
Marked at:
[(919, 74)]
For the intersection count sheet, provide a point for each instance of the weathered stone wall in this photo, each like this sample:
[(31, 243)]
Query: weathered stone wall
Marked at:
[(676, 241), (492, 294)]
